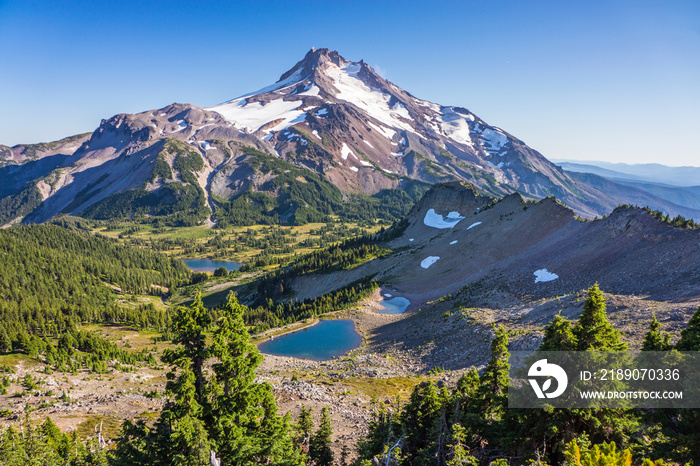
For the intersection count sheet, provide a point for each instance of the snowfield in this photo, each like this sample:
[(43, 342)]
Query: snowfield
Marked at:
[(436, 220), (544, 275), (251, 117), (373, 101), (454, 242), (428, 261), (474, 225), (345, 151)]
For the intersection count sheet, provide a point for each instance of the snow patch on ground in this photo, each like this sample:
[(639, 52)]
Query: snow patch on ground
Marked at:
[(495, 139), (355, 169), (544, 275), (365, 163), (411, 240), (454, 242), (315, 133), (473, 225), (428, 261), (345, 151), (435, 220), (367, 142), (389, 133), (311, 91), (455, 126), (373, 101), (251, 117), (321, 113), (387, 295), (205, 145)]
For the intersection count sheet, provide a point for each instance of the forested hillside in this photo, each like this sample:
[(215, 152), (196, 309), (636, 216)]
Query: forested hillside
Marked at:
[(53, 279)]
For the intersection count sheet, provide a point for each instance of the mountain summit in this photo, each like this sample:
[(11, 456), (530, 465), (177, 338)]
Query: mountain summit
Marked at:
[(328, 131)]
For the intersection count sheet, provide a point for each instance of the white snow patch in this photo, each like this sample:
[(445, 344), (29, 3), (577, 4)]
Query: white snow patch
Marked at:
[(373, 101), (345, 151), (389, 133), (251, 117), (205, 145), (387, 295), (454, 242), (182, 124), (473, 225), (367, 142), (322, 112), (500, 164), (456, 126), (365, 163), (311, 91), (544, 275), (411, 240), (495, 139), (436, 220), (355, 169), (163, 114), (428, 261), (315, 133)]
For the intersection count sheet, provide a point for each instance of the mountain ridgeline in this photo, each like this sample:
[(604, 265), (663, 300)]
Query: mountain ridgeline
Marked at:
[(330, 138)]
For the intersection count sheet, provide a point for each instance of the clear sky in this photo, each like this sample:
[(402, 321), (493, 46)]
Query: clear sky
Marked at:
[(595, 80)]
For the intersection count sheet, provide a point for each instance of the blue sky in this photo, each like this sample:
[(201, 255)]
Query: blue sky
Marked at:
[(596, 80)]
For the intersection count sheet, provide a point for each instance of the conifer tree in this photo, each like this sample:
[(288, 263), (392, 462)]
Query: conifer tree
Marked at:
[(594, 332), (305, 425), (494, 381), (559, 336), (321, 453), (459, 454), (344, 455), (690, 336), (655, 340), (243, 419)]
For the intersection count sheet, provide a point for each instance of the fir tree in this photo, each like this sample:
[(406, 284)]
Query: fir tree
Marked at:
[(304, 426), (690, 336), (655, 340), (459, 454), (559, 336), (344, 455), (594, 332), (243, 418), (494, 381), (321, 453)]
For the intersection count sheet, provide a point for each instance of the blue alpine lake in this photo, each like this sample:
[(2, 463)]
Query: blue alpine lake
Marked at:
[(394, 306), (320, 342), (208, 265)]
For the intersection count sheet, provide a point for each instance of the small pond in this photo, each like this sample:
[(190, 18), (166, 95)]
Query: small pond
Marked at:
[(208, 265), (325, 340), (394, 306)]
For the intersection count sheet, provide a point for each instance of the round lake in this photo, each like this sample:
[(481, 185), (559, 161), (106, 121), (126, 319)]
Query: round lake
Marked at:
[(208, 265), (394, 306), (325, 340)]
